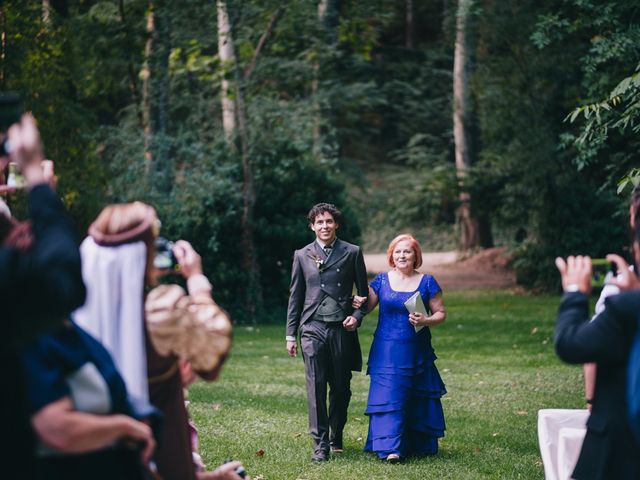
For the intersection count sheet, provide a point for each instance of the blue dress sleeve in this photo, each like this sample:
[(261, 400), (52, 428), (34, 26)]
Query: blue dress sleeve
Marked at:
[(432, 286), (376, 283)]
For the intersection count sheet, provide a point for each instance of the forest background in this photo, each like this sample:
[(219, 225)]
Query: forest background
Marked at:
[(470, 123)]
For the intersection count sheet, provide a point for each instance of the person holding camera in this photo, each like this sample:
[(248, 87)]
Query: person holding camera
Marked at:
[(609, 449), (39, 285), (150, 333)]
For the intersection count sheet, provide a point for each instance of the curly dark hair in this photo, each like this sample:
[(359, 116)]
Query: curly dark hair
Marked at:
[(321, 208)]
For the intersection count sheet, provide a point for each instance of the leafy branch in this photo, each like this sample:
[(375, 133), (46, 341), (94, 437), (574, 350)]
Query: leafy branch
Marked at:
[(620, 111)]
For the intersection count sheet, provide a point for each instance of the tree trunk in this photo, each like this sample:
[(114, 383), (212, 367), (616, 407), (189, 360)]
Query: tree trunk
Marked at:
[(227, 63), (46, 12), (146, 91), (158, 164), (463, 126), (253, 300), (133, 82), (324, 147), (3, 47), (409, 24)]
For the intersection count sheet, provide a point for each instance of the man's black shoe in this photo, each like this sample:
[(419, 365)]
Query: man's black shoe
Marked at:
[(320, 456), (336, 443)]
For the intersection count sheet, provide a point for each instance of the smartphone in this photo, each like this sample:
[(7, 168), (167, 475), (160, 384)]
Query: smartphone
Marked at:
[(602, 271)]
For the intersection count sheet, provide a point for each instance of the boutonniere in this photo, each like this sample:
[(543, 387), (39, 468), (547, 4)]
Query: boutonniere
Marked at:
[(319, 262)]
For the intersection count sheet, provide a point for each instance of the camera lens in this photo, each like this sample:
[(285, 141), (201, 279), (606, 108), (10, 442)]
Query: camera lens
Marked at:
[(164, 259)]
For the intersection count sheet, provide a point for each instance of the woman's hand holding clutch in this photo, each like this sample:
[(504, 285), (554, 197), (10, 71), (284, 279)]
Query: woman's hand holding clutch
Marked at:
[(418, 319)]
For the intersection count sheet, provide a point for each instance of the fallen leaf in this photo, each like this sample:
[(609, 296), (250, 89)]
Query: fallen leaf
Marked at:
[(495, 434), (476, 450), (258, 477), (216, 406), (522, 412), (359, 439), (534, 330), (260, 453), (297, 435)]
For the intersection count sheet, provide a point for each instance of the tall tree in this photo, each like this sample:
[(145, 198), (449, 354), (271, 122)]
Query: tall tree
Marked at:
[(328, 16), (146, 90), (158, 162), (408, 37), (227, 66), (233, 109), (463, 125)]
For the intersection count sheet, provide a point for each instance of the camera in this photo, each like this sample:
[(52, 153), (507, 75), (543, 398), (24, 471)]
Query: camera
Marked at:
[(240, 471), (165, 259), (602, 271), (11, 109)]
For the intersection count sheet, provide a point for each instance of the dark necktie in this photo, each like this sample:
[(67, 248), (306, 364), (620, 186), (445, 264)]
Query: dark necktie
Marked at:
[(327, 250)]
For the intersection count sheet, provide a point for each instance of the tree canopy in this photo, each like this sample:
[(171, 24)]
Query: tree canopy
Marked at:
[(351, 103)]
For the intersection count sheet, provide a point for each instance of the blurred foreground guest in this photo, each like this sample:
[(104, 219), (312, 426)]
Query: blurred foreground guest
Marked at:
[(40, 281), (609, 449), (404, 407), (86, 424), (561, 431), (148, 334)]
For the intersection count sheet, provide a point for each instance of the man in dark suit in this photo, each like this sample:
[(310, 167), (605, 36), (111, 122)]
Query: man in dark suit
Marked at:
[(609, 449), (322, 279), (39, 285)]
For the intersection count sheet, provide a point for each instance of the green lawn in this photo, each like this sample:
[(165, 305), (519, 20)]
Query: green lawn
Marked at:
[(496, 358)]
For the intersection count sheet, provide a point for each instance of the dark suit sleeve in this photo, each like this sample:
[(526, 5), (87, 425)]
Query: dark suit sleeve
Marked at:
[(362, 287), (296, 297), (44, 284), (578, 340)]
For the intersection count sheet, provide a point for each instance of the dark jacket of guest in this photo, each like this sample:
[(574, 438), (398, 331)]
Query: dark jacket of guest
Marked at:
[(609, 449), (38, 288)]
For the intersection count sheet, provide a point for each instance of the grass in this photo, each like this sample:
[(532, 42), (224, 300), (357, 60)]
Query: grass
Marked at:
[(496, 358)]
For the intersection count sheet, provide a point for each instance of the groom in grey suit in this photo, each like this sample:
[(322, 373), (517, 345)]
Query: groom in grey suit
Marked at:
[(320, 312)]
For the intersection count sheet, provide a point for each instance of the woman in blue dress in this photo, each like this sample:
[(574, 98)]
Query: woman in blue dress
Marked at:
[(404, 407)]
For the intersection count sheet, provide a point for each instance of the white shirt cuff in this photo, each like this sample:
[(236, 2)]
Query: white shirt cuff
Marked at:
[(289, 338)]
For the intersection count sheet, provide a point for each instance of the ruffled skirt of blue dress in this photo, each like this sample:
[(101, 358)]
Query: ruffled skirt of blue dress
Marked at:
[(405, 409)]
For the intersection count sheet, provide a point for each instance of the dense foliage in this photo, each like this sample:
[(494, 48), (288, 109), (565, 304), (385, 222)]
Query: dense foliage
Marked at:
[(354, 108)]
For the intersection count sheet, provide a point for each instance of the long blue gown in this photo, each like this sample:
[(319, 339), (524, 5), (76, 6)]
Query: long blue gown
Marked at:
[(404, 407)]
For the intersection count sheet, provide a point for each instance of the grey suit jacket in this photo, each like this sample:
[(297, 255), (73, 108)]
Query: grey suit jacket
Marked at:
[(310, 281)]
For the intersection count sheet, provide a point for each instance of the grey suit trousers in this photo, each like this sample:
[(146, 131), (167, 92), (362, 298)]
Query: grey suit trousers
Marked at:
[(325, 350)]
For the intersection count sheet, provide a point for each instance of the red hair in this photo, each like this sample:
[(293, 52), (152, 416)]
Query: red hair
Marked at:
[(415, 246)]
